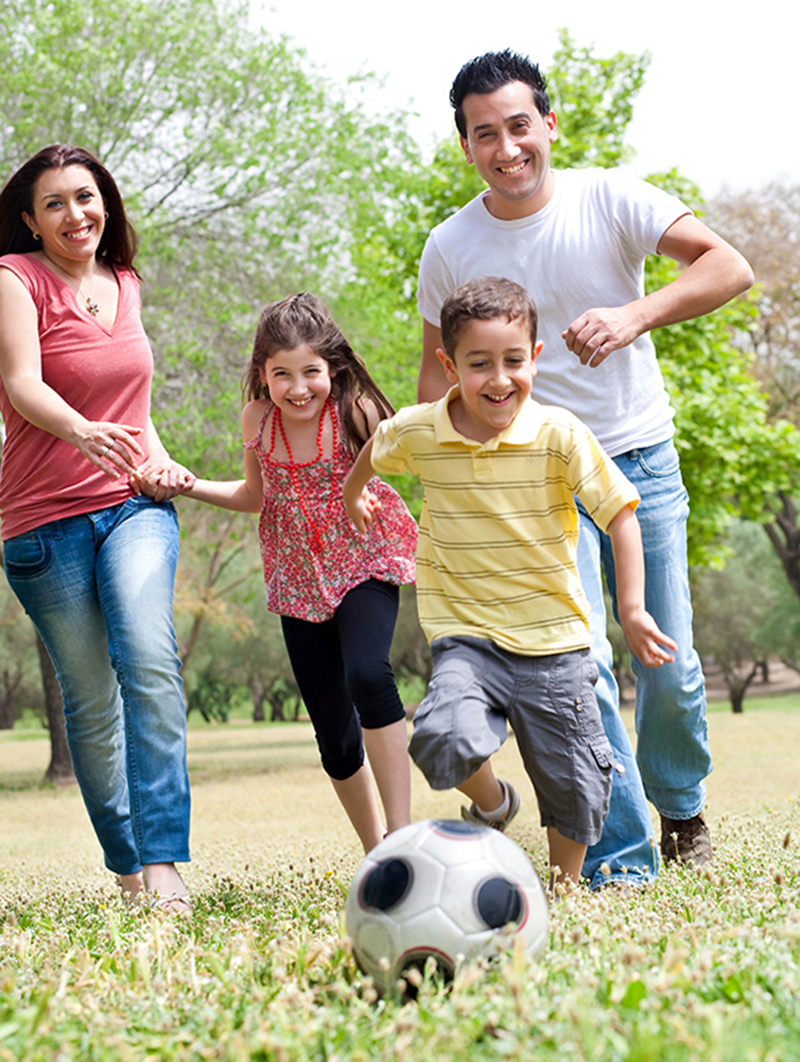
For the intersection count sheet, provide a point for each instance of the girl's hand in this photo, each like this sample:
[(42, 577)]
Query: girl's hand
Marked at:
[(363, 509), (645, 640), (111, 447), (162, 479)]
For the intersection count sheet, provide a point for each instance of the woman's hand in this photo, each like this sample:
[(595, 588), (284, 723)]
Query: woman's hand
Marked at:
[(162, 479), (111, 447)]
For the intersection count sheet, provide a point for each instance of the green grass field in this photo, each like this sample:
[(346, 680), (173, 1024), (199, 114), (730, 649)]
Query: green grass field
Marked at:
[(703, 966)]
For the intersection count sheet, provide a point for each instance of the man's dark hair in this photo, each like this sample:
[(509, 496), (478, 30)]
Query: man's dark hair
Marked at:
[(491, 71), (486, 299)]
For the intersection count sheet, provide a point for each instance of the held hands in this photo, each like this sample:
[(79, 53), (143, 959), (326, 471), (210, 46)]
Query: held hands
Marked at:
[(600, 331), (645, 640), (162, 479), (362, 509)]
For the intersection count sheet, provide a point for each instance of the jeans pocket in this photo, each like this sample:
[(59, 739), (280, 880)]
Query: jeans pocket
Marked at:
[(27, 556), (659, 461)]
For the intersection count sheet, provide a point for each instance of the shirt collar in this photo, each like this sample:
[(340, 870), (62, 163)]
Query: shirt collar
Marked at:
[(521, 431)]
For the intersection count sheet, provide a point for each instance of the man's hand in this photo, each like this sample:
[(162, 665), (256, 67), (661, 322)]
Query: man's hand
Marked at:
[(600, 331)]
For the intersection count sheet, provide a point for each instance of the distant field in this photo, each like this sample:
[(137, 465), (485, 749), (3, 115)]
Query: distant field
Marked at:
[(252, 780)]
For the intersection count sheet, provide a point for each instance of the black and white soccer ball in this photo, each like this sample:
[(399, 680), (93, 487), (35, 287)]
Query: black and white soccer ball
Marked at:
[(446, 889)]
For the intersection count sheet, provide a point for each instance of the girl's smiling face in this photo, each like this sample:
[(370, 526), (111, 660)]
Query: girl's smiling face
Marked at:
[(298, 381)]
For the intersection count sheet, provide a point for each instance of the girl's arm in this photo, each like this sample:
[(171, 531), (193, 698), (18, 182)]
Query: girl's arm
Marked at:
[(110, 446), (241, 495), (159, 476), (360, 504), (644, 638)]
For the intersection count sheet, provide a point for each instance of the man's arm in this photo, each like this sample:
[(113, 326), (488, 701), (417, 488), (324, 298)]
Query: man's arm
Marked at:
[(432, 383), (715, 272), (641, 632)]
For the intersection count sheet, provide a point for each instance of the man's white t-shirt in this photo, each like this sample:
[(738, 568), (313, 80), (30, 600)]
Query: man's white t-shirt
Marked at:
[(585, 249)]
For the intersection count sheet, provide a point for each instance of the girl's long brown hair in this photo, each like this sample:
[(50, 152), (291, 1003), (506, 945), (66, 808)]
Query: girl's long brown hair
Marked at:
[(305, 319)]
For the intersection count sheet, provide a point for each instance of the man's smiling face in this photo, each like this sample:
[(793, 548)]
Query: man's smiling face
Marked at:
[(508, 141)]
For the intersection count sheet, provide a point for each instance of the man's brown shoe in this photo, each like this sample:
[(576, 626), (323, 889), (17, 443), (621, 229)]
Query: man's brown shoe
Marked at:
[(686, 840)]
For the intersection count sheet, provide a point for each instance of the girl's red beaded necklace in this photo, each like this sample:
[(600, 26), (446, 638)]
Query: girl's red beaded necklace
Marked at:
[(317, 530)]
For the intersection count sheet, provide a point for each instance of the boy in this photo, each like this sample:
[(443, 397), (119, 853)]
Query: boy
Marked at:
[(497, 583)]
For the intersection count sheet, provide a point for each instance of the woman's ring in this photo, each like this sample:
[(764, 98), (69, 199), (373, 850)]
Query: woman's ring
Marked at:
[(105, 451)]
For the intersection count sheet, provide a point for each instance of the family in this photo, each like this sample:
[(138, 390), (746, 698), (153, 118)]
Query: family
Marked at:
[(543, 441)]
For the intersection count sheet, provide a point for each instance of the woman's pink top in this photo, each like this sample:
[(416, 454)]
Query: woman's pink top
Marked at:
[(307, 583), (104, 375)]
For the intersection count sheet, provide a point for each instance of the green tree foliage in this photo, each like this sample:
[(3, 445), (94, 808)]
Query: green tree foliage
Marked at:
[(247, 174), (735, 458), (594, 100)]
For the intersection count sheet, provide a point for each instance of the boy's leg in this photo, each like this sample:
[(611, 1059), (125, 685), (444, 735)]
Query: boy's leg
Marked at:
[(627, 845), (566, 856), (483, 789), (459, 726)]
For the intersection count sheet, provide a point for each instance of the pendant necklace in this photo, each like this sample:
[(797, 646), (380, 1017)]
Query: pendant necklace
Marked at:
[(317, 530), (92, 307)]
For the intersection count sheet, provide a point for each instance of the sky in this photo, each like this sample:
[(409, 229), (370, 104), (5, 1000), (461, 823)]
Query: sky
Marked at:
[(693, 111)]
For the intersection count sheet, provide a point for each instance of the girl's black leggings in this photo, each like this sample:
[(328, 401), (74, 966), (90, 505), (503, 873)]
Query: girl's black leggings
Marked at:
[(342, 669)]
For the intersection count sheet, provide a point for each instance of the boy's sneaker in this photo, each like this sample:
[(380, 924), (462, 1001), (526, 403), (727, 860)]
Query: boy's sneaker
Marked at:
[(473, 814), (686, 841)]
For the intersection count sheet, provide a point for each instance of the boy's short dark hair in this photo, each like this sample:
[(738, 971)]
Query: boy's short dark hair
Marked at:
[(486, 299), (491, 71)]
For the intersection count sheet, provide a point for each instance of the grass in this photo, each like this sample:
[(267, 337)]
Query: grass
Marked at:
[(703, 967)]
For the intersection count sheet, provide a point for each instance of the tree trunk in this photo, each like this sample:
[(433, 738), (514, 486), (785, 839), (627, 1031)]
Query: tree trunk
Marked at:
[(60, 770), (737, 684), (8, 700), (784, 534)]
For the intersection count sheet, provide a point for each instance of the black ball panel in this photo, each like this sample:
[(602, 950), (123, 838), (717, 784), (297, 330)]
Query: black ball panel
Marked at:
[(386, 884), (499, 902)]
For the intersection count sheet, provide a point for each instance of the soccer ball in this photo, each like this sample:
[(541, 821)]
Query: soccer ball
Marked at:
[(451, 890)]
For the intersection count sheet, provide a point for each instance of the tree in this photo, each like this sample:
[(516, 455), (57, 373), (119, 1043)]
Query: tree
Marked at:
[(741, 629), (735, 459), (246, 173), (765, 225)]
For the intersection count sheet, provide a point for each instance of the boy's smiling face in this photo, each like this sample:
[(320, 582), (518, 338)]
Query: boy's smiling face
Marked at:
[(494, 365)]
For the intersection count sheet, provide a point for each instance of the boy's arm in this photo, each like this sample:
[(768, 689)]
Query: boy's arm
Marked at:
[(360, 504), (644, 638)]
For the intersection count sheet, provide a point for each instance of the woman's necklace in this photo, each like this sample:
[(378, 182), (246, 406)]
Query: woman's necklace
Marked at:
[(317, 530), (91, 307)]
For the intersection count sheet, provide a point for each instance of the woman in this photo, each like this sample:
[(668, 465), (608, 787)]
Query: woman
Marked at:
[(89, 556)]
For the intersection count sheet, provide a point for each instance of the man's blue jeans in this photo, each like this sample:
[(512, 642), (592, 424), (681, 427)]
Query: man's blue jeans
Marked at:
[(672, 740), (99, 589)]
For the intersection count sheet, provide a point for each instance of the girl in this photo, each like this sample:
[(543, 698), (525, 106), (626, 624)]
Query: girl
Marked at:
[(312, 406)]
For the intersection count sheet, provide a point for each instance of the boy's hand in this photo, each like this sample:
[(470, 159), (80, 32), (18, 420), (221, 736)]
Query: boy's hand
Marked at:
[(645, 640), (362, 509)]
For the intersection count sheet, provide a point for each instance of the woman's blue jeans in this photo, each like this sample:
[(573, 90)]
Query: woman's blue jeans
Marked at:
[(99, 589), (672, 754)]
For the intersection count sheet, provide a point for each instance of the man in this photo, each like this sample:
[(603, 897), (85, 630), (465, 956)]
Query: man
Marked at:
[(577, 240)]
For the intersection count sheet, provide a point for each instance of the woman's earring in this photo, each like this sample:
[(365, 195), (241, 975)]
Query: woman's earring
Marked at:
[(37, 235)]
